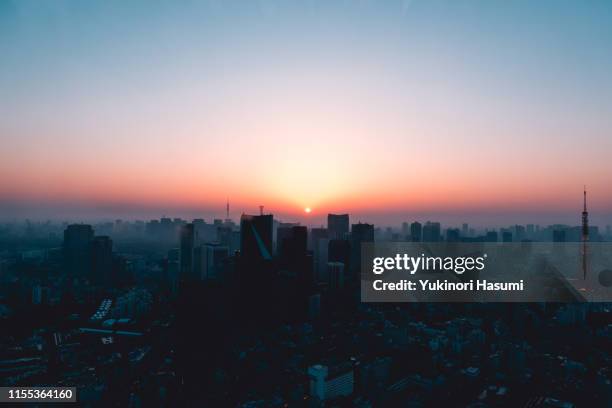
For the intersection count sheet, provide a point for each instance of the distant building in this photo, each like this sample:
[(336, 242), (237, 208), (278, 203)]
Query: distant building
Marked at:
[(77, 250), (320, 245), (431, 232), (101, 259), (453, 235), (416, 232), (491, 236), (360, 233), (559, 235), (338, 226), (186, 254)]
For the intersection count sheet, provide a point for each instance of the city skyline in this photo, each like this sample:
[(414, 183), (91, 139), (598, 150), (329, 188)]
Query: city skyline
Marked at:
[(458, 111)]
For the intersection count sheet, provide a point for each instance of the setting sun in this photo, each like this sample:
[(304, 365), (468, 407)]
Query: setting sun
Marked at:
[(307, 210)]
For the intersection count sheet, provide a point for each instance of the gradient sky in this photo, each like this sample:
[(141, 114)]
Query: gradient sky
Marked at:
[(391, 110)]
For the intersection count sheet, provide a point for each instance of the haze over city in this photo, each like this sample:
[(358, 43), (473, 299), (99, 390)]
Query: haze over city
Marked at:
[(390, 111)]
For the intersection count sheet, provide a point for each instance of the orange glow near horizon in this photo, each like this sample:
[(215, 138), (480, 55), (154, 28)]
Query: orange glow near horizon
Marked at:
[(369, 113)]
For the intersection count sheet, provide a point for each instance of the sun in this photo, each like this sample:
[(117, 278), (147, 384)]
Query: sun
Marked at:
[(307, 210)]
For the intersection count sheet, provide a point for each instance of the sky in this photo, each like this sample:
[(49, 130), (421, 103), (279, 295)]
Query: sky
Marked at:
[(481, 111)]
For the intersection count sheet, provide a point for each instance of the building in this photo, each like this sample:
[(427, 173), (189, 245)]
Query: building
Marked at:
[(326, 383), (256, 237), (186, 252), (212, 261), (77, 250), (338, 226), (101, 259), (416, 232), (491, 236), (453, 235), (335, 272), (431, 232), (339, 250), (40, 295), (318, 243), (360, 233)]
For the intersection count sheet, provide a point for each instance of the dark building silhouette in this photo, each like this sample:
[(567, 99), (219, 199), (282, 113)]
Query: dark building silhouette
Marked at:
[(339, 250), (519, 232), (559, 235), (453, 235), (431, 232), (506, 236), (186, 252), (416, 232), (317, 234), (585, 238), (293, 253), (359, 233), (491, 236), (338, 226), (101, 259), (283, 232), (256, 236), (77, 250), (292, 242)]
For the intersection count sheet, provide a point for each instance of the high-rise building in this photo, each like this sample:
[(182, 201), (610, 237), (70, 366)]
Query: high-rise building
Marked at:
[(465, 229), (77, 250), (431, 232), (256, 236), (339, 250), (316, 234), (101, 259), (210, 259), (453, 235), (186, 255), (559, 235), (506, 236), (406, 230), (335, 271), (585, 238), (519, 232), (416, 231), (292, 243), (320, 251), (360, 233), (338, 226)]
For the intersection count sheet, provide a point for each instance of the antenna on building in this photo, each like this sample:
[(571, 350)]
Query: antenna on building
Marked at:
[(227, 210), (261, 209), (585, 237)]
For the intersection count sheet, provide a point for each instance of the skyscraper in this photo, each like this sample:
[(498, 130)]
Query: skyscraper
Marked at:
[(256, 237), (338, 226), (186, 254), (101, 259), (585, 237), (416, 231), (431, 232), (77, 250), (319, 245), (359, 233)]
